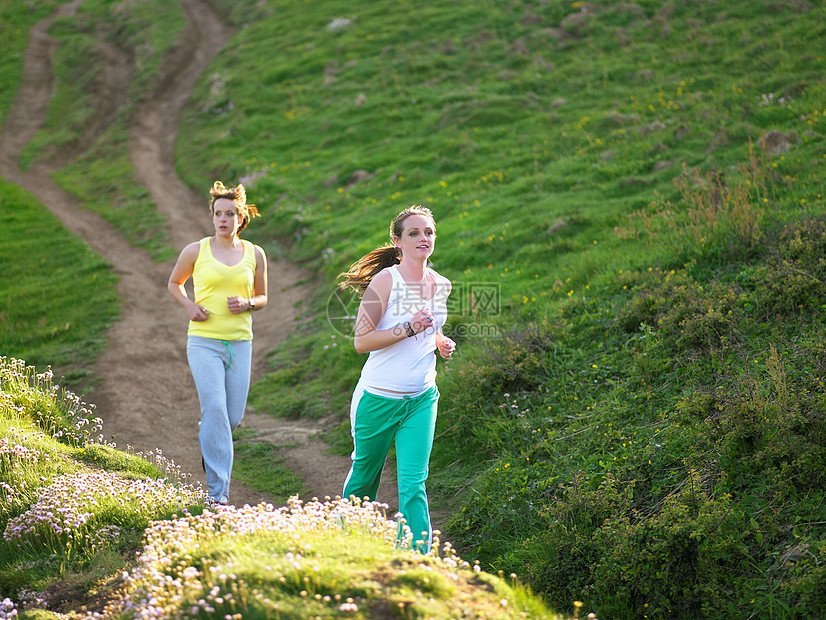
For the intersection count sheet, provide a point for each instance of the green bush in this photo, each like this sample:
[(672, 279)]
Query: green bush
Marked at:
[(684, 558), (791, 279)]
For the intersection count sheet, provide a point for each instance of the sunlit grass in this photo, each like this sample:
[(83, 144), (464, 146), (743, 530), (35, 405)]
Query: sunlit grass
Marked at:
[(317, 560)]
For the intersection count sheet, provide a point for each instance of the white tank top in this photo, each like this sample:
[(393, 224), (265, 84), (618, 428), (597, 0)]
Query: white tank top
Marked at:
[(408, 365)]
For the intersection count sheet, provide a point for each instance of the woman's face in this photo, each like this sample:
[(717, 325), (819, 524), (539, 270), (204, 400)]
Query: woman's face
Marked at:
[(225, 217), (418, 237)]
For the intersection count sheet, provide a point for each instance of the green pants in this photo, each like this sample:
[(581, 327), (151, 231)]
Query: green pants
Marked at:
[(375, 422)]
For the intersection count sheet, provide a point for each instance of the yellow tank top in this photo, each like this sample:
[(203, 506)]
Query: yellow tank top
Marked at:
[(213, 282)]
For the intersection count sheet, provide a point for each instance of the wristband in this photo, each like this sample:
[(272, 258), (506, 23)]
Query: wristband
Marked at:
[(410, 332)]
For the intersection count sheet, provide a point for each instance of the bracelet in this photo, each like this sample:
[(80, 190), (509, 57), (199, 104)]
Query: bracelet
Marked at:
[(410, 332)]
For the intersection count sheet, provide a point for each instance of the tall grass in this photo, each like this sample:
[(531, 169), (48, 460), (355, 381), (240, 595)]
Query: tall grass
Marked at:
[(634, 447)]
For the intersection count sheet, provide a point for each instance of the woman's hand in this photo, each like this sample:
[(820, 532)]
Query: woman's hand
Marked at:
[(421, 321), (237, 305), (197, 312), (446, 346)]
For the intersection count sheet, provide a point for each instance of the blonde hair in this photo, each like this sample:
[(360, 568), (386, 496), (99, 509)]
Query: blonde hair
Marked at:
[(236, 194), (361, 272)]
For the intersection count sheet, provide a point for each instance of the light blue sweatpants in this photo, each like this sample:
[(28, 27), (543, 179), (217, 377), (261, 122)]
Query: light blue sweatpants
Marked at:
[(221, 371), (375, 422)]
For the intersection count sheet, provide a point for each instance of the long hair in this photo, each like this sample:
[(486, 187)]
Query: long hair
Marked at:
[(238, 195), (361, 272)]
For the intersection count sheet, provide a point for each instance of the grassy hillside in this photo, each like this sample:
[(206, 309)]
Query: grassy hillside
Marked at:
[(56, 304), (17, 18), (532, 132), (636, 388), (629, 201), (90, 531), (57, 315)]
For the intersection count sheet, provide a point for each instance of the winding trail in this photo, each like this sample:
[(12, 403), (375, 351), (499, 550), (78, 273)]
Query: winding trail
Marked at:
[(146, 396)]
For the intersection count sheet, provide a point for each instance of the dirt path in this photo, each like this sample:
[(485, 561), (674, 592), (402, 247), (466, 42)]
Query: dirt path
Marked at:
[(147, 397)]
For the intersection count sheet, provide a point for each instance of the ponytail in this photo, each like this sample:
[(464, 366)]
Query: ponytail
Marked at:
[(364, 269)]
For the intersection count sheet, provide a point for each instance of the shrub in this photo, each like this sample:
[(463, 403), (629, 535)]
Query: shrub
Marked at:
[(681, 559), (792, 277), (517, 362), (559, 560)]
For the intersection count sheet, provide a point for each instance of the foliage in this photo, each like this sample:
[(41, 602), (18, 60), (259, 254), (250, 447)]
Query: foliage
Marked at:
[(640, 245), (692, 510), (682, 560)]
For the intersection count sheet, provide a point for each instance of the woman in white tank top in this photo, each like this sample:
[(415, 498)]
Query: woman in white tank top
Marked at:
[(399, 323)]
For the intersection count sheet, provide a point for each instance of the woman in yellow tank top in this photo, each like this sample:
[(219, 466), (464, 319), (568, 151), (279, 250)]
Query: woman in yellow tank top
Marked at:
[(229, 276)]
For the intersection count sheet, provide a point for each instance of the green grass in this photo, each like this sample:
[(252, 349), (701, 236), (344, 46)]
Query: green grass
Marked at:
[(553, 187), (56, 304), (102, 176), (320, 561), (146, 30), (527, 193), (70, 503), (258, 465), (633, 417), (103, 179)]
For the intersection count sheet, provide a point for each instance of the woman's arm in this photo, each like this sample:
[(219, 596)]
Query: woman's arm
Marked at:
[(260, 287), (445, 345), (237, 305), (180, 274), (372, 307)]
